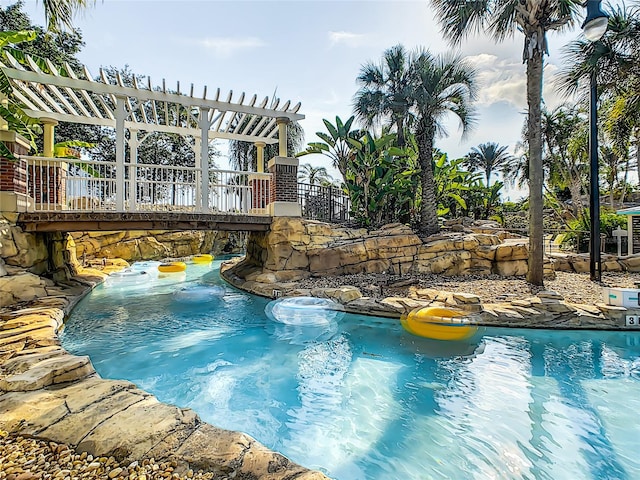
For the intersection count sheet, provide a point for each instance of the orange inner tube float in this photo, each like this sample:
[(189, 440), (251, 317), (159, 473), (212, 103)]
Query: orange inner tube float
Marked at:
[(172, 267), (438, 323)]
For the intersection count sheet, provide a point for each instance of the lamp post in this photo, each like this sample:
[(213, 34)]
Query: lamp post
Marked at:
[(594, 27)]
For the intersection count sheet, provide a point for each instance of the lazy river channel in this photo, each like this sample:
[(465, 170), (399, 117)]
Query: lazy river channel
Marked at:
[(360, 398)]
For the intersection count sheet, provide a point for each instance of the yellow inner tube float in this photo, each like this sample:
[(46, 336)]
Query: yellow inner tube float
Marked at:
[(172, 267), (438, 323), (203, 258)]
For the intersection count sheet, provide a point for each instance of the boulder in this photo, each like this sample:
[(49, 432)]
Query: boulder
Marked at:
[(22, 287), (511, 268)]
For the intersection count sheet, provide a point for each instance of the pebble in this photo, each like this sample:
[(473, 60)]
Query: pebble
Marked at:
[(30, 459), (572, 287)]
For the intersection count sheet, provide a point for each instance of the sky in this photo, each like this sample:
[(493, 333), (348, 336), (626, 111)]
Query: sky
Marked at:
[(307, 51)]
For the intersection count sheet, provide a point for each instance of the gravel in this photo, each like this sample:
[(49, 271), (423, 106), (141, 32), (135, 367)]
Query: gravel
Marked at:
[(32, 459), (574, 287)]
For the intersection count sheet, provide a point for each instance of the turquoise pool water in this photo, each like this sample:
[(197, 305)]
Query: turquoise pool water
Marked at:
[(361, 398)]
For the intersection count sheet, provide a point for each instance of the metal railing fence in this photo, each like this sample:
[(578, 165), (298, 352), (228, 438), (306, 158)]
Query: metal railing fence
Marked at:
[(325, 203)]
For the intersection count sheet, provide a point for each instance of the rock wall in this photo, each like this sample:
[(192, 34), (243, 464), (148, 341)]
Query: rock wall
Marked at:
[(25, 258), (295, 249), (153, 245)]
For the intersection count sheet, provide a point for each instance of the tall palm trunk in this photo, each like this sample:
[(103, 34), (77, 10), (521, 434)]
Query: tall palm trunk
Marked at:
[(535, 273), (429, 209)]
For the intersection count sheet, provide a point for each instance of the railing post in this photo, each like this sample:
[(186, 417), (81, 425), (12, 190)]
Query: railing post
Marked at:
[(134, 143), (120, 119), (205, 124)]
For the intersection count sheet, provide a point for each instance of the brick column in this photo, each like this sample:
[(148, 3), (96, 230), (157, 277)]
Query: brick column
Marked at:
[(260, 193), (284, 187), (13, 175), (48, 184)]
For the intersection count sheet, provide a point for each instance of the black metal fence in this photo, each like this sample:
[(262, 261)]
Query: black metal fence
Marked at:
[(328, 204)]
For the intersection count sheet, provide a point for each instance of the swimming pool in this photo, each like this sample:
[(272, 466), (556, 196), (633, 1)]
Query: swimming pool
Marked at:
[(360, 398)]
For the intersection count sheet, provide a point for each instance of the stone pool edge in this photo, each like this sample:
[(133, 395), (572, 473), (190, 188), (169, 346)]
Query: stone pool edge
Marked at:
[(546, 310), (50, 394)]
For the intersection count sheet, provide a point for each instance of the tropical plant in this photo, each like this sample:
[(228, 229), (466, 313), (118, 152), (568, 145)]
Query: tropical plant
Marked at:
[(59, 13), (443, 85), (487, 158), (614, 63), (336, 144), (565, 145), (377, 183), (386, 92), (502, 19), (451, 182)]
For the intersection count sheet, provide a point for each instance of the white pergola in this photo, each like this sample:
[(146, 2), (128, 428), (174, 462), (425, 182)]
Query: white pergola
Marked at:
[(55, 95)]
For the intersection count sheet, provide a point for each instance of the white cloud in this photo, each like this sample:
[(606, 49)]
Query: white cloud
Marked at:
[(505, 80), (349, 39), (227, 46)]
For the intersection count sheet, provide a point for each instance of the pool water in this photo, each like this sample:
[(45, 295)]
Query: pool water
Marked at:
[(360, 398)]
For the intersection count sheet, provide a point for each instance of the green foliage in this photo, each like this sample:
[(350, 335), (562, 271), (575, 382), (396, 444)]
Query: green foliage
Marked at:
[(450, 182), (610, 221), (380, 180), (578, 236), (336, 144)]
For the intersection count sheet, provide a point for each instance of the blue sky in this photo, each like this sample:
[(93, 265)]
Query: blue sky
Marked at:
[(310, 51)]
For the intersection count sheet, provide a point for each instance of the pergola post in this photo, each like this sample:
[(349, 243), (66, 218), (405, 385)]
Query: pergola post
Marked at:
[(260, 156), (282, 123), (259, 183), (204, 123), (48, 130), (120, 119)]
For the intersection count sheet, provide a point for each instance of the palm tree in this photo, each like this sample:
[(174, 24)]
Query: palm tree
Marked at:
[(307, 173), (502, 19), (442, 85), (418, 90), (385, 92), (615, 61), (59, 13), (488, 157), (563, 139)]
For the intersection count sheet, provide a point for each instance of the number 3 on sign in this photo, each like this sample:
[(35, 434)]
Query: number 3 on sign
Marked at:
[(632, 321)]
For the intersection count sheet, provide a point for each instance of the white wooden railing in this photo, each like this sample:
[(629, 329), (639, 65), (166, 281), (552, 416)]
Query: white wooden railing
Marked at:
[(89, 186)]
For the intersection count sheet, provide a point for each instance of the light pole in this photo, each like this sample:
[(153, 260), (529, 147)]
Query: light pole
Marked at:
[(594, 27)]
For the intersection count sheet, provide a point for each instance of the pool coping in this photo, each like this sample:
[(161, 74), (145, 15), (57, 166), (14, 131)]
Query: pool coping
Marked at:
[(546, 310)]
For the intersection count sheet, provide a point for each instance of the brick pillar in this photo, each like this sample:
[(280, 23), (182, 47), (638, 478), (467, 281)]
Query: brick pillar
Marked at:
[(13, 175), (260, 193), (48, 184), (284, 187)]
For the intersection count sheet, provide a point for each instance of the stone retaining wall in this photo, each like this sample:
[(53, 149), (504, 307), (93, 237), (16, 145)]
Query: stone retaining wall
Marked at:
[(295, 248), (154, 245)]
